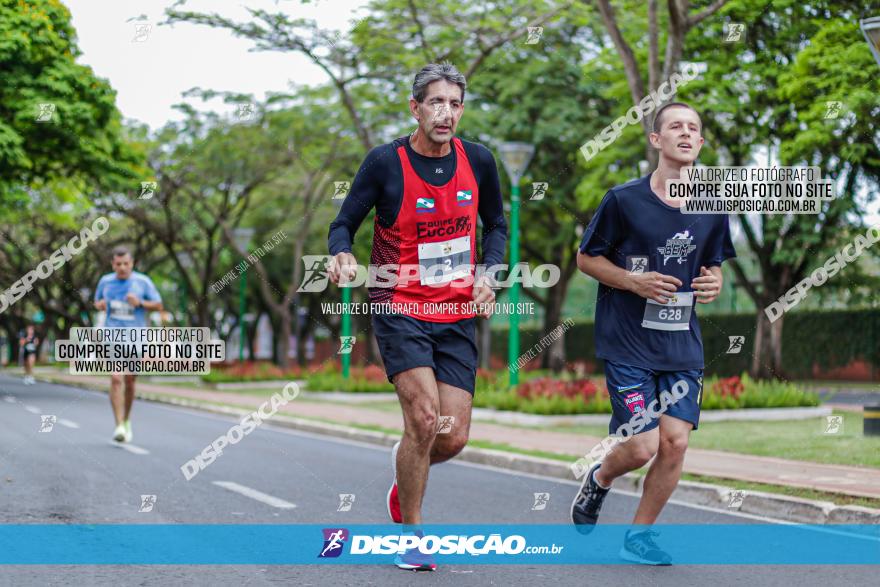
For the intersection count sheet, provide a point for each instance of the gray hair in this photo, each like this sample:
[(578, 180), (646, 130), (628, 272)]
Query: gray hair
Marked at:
[(435, 72)]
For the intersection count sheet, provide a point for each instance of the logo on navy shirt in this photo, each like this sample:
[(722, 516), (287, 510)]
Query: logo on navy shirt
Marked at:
[(678, 247)]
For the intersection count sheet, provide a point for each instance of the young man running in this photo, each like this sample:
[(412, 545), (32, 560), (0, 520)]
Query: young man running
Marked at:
[(427, 189), (126, 296), (652, 263)]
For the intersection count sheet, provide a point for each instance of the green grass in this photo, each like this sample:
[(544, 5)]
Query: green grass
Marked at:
[(799, 440)]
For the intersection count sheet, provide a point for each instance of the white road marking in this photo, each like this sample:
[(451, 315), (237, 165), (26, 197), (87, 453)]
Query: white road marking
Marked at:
[(68, 423), (132, 448), (265, 498), (33, 409), (10, 399)]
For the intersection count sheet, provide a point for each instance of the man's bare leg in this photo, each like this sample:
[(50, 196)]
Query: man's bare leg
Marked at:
[(665, 471), (420, 402), (457, 403), (116, 399), (129, 395), (629, 456)]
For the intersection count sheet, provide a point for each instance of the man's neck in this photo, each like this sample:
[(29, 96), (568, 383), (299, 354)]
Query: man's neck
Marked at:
[(666, 170), (423, 145)]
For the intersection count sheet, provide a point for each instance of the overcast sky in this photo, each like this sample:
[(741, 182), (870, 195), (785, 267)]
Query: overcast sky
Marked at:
[(149, 76)]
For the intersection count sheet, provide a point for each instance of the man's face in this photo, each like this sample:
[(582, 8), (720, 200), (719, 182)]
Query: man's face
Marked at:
[(680, 137), (122, 265), (438, 114)]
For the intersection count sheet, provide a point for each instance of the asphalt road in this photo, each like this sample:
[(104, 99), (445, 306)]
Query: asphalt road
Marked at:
[(76, 475)]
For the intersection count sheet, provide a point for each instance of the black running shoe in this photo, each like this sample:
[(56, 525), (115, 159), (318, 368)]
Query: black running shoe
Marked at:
[(587, 503), (639, 547)]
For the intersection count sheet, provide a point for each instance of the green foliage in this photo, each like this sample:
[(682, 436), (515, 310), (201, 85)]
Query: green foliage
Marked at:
[(84, 138)]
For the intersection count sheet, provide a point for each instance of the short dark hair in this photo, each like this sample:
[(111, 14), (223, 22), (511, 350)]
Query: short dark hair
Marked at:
[(658, 123), (435, 72), (121, 251)]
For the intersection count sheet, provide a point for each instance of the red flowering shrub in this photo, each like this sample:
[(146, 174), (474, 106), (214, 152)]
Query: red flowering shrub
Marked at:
[(550, 387), (373, 373), (729, 387)]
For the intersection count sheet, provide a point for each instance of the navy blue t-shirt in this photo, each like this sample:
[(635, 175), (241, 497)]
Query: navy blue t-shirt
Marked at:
[(637, 231)]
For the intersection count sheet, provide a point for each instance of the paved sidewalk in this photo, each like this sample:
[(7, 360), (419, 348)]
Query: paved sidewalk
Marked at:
[(849, 480)]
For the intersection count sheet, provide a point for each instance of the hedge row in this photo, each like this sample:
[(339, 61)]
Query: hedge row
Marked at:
[(827, 338)]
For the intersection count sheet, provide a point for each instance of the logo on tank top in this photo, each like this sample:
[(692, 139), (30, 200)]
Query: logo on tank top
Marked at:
[(424, 205), (464, 198), (679, 247)]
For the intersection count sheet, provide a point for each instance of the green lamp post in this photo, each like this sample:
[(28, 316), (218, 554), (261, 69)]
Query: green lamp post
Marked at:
[(515, 157)]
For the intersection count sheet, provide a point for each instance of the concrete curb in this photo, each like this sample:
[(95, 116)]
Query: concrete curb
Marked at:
[(770, 505)]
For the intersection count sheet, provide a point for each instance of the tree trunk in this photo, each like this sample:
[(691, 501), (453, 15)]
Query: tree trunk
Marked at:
[(284, 339), (767, 357)]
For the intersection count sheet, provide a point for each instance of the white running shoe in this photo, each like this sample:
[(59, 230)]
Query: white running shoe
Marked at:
[(119, 433), (128, 434)]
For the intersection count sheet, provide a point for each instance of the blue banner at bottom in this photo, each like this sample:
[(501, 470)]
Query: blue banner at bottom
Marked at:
[(244, 544)]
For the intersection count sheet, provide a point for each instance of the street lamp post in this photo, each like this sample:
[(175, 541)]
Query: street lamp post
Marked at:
[(242, 238), (515, 157), (871, 29), (345, 327)]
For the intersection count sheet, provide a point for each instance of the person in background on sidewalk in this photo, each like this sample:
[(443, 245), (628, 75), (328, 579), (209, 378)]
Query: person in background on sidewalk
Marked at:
[(652, 262), (126, 296), (28, 345)]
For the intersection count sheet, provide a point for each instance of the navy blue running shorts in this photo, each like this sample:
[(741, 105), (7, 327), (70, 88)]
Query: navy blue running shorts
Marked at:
[(449, 348), (636, 389)]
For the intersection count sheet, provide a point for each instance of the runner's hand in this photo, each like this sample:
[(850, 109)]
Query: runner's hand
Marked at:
[(132, 300), (654, 286), (484, 297), (707, 286), (101, 305), (343, 268)]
